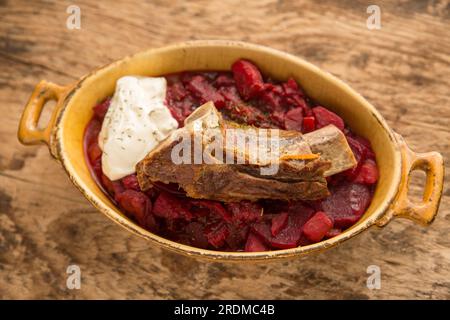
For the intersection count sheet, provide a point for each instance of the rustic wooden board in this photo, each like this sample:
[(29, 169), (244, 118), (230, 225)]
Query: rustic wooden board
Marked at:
[(46, 224)]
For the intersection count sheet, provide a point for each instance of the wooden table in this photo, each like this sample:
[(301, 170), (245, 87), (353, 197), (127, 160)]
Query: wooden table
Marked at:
[(46, 224)]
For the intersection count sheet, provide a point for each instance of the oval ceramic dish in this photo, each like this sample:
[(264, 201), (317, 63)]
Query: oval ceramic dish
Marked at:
[(64, 134)]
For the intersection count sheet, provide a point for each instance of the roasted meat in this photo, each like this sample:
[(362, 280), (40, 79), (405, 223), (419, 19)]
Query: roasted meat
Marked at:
[(211, 158)]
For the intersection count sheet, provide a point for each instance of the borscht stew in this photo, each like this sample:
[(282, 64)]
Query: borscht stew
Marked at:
[(246, 97)]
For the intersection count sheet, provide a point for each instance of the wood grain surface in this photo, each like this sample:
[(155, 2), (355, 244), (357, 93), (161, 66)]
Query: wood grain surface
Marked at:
[(46, 224)]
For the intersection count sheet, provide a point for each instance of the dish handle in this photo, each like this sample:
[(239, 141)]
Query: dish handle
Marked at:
[(29, 133), (424, 212)]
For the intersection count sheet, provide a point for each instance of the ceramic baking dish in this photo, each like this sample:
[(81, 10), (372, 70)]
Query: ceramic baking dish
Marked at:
[(64, 134)]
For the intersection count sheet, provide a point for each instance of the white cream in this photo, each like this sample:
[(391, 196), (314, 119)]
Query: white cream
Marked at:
[(136, 122)]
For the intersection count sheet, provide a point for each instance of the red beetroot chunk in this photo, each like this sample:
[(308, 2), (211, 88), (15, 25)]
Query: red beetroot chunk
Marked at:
[(272, 97), (309, 124), (346, 204), (135, 203), (101, 109), (262, 229), (214, 208), (216, 234), (248, 79), (255, 244), (325, 117), (176, 92), (290, 235), (131, 182), (278, 223), (359, 151), (365, 157), (368, 173), (317, 227), (114, 188), (294, 119), (238, 236), (92, 131), (333, 233), (224, 80), (245, 211), (170, 207), (291, 88), (196, 236), (94, 151), (231, 96), (204, 91)]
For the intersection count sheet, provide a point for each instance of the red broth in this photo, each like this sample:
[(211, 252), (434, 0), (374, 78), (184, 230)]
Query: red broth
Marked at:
[(245, 96)]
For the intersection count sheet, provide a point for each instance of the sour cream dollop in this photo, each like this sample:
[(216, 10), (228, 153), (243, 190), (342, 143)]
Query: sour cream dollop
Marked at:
[(136, 122)]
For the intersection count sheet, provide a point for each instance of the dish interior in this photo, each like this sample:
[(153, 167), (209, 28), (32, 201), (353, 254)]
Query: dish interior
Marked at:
[(320, 86)]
